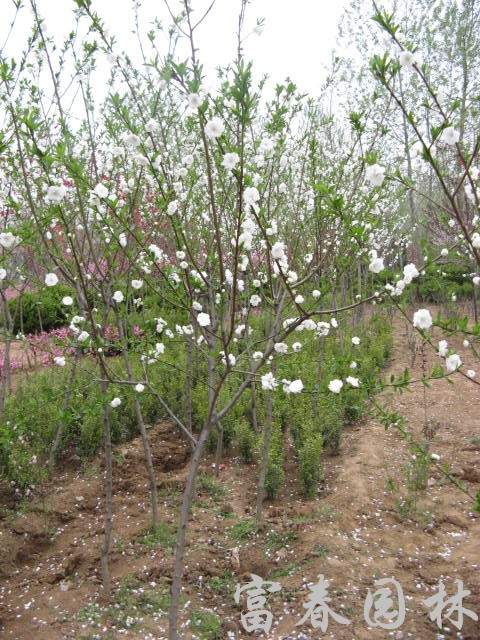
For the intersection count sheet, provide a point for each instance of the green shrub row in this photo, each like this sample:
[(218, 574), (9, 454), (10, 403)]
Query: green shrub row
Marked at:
[(314, 418)]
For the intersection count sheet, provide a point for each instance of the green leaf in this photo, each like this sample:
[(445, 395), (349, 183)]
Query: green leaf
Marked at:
[(477, 502)]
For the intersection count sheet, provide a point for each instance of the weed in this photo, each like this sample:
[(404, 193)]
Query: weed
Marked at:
[(211, 486), (224, 584), (163, 535), (91, 613), (279, 539), (391, 485), (285, 572), (242, 530), (320, 551), (206, 625)]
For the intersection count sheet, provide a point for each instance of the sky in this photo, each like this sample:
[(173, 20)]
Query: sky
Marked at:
[(296, 41)]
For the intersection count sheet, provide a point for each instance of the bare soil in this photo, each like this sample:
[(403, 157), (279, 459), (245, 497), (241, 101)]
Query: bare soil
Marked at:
[(358, 529)]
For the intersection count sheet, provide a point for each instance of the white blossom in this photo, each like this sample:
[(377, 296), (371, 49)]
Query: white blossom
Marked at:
[(214, 127), (422, 319), (443, 348), (453, 362), (230, 160), (51, 279), (56, 193), (269, 382), (294, 387), (376, 265), (101, 190), (406, 59), (335, 386), (450, 136), (375, 174), (203, 319), (354, 382)]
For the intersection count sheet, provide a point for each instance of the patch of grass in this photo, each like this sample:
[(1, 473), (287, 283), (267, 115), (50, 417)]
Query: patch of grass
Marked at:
[(407, 508), (289, 594), (417, 472), (288, 570), (224, 584), (206, 625), (225, 511), (325, 512), (279, 539), (322, 513), (243, 530), (120, 545), (209, 485), (133, 601), (320, 551), (475, 441), (302, 519), (91, 470), (91, 613), (391, 485), (118, 458), (163, 535), (22, 507), (169, 493)]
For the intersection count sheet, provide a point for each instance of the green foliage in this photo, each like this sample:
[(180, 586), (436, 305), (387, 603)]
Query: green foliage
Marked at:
[(242, 530), (311, 471), (34, 411), (442, 281), (163, 535), (315, 421), (224, 584), (275, 473), (43, 310), (278, 539), (246, 440), (132, 601), (206, 625), (209, 485), (477, 502), (437, 285), (330, 421), (417, 471)]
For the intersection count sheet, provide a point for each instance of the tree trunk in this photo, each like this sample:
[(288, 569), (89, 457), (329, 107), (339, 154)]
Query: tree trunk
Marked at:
[(267, 432), (182, 531), (107, 537), (66, 403), (5, 382), (143, 432), (188, 387), (253, 388), (219, 450)]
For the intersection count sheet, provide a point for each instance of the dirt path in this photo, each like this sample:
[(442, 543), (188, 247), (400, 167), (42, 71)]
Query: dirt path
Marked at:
[(360, 528)]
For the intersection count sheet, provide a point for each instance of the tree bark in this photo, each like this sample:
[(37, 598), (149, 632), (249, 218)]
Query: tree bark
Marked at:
[(107, 537)]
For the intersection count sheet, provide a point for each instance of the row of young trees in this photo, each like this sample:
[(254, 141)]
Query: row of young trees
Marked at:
[(244, 219)]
